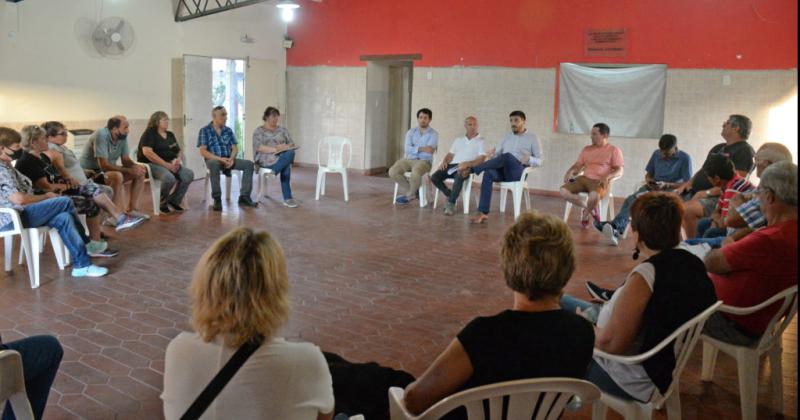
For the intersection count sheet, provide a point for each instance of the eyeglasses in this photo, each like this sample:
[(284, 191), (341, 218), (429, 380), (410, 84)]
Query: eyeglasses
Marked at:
[(61, 133)]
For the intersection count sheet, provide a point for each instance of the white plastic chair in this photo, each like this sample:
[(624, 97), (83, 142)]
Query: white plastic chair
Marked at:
[(336, 161), (423, 191), (523, 395), (605, 206), (466, 193), (155, 185), (747, 358), (32, 242), (684, 339), (236, 175), (12, 385), (264, 174), (519, 190)]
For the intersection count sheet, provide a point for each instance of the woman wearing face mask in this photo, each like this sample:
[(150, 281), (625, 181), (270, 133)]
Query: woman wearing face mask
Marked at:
[(49, 209)]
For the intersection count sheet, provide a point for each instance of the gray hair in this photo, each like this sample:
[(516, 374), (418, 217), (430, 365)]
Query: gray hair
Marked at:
[(743, 123), (774, 152), (781, 179)]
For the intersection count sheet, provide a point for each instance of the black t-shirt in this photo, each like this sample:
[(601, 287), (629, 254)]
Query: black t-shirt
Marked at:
[(522, 345), (167, 149), (31, 166), (740, 153)]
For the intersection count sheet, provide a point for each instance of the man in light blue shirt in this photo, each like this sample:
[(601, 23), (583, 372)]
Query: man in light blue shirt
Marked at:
[(420, 145), (515, 152)]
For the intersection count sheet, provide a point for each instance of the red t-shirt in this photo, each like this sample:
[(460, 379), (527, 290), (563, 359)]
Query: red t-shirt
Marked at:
[(764, 263)]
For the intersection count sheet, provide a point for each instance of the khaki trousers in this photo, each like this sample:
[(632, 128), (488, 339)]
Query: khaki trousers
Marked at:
[(418, 169)]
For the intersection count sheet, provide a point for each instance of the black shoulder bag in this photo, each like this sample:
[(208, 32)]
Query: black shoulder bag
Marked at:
[(222, 378)]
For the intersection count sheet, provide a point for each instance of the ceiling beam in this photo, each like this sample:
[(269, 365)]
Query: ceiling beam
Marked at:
[(193, 9)]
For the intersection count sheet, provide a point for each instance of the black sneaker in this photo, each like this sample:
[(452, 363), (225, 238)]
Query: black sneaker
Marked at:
[(217, 204), (598, 292), (106, 253), (164, 209), (177, 208), (246, 201)]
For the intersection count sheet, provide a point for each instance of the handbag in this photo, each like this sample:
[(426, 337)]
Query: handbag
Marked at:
[(222, 378)]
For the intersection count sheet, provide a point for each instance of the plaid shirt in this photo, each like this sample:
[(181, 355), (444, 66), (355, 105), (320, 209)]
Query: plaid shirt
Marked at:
[(751, 214), (219, 145)]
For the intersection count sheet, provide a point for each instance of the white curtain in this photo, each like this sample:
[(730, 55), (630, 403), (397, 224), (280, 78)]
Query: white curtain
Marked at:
[(629, 99)]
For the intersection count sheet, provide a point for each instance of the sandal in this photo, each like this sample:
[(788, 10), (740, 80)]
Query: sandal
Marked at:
[(480, 219)]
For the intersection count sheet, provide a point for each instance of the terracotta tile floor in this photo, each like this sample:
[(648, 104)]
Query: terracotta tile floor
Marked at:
[(369, 281)]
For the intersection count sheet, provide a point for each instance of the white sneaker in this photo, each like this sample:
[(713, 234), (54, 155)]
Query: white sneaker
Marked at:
[(89, 271), (610, 234), (290, 203)]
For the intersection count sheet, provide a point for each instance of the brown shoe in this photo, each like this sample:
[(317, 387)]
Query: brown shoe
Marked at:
[(479, 219)]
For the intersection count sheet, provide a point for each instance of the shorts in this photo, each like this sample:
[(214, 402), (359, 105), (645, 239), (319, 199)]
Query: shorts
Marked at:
[(583, 184)]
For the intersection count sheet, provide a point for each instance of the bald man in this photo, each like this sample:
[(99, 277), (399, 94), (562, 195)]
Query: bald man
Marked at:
[(108, 156), (466, 152)]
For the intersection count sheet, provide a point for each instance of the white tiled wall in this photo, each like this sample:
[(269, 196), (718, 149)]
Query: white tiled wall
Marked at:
[(325, 99)]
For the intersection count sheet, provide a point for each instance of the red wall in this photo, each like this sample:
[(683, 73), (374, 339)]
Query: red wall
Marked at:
[(543, 33)]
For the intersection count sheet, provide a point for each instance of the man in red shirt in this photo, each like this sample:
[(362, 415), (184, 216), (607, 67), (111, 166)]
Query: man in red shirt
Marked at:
[(760, 265)]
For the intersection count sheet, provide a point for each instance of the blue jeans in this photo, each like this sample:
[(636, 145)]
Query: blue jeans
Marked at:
[(438, 177), (501, 168), (283, 166), (59, 213), (710, 235), (183, 178), (621, 220), (41, 356)]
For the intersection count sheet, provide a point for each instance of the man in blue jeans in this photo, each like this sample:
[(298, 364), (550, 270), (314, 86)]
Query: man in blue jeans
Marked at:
[(16, 192), (41, 356), (515, 152)]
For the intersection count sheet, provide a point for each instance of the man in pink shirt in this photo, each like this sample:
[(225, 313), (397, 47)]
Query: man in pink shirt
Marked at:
[(600, 162)]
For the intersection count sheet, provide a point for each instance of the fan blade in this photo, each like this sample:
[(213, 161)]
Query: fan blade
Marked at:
[(120, 46), (120, 25)]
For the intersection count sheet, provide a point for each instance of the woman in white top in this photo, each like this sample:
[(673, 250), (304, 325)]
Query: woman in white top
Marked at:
[(239, 292)]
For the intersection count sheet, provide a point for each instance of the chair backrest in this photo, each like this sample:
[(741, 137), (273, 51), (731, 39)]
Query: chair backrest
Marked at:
[(684, 339), (524, 177), (12, 384), (337, 158), (547, 397), (16, 222), (782, 318)]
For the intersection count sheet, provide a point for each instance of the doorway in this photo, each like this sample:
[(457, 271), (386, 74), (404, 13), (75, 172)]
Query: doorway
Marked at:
[(388, 110)]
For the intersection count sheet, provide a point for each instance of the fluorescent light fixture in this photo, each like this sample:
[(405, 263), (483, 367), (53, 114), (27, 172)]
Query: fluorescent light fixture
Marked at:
[(287, 9)]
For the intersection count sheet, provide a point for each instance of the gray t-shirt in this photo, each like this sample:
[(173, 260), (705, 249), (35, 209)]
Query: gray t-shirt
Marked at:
[(269, 138), (101, 145), (518, 143), (11, 181), (71, 163)]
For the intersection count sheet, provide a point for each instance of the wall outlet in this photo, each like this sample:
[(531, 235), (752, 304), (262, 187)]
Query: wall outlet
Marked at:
[(430, 75)]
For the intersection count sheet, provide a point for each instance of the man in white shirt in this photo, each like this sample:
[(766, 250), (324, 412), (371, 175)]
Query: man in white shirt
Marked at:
[(467, 151)]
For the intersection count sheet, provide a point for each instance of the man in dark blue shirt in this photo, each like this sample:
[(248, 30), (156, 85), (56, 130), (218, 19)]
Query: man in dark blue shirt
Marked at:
[(667, 170), (218, 146)]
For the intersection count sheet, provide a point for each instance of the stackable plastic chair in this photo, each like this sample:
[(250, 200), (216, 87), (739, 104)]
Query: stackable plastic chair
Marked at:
[(682, 341), (337, 161), (264, 174), (545, 397), (226, 190), (31, 245), (605, 206), (12, 385), (747, 358), (519, 190), (423, 191)]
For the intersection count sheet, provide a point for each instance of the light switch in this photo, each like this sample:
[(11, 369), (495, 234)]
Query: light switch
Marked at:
[(726, 80), (430, 75)]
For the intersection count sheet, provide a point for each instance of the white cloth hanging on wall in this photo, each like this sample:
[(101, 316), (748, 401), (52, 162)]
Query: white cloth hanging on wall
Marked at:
[(629, 99)]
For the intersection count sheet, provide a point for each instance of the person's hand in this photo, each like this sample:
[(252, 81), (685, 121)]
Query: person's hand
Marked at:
[(525, 158), (490, 153), (728, 240), (443, 165), (738, 200), (140, 170), (426, 149), (281, 147), (49, 195), (463, 167), (714, 192), (230, 163)]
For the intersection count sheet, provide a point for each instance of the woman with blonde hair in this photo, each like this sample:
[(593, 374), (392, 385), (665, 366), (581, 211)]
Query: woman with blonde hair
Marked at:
[(239, 296), (159, 149)]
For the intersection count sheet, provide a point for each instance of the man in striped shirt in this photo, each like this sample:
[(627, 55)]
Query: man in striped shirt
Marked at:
[(721, 174)]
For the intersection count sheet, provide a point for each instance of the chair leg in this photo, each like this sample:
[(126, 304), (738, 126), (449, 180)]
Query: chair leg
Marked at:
[(567, 209), (610, 206), (9, 249), (503, 192), (155, 192), (344, 185), (674, 404), (599, 411), (776, 373), (517, 195), (394, 199), (320, 176), (32, 255), (747, 364), (527, 195), (324, 179), (709, 361), (465, 196), (423, 196), (435, 198), (207, 188), (58, 249)]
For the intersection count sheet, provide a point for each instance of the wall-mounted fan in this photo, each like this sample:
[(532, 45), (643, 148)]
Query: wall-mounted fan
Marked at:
[(113, 37)]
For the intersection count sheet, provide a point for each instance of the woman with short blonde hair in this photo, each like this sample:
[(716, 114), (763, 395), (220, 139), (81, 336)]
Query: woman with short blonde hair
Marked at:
[(239, 294)]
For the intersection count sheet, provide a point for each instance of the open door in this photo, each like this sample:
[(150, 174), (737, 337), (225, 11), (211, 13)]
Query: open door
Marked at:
[(197, 104)]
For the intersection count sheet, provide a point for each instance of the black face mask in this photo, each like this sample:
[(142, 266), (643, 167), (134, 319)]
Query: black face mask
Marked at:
[(16, 154)]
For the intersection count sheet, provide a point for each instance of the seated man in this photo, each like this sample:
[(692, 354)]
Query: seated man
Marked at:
[(745, 214), (105, 148), (420, 145), (721, 174), (16, 192), (515, 152), (41, 357), (600, 162), (667, 170), (218, 146), (466, 152), (699, 194), (760, 265)]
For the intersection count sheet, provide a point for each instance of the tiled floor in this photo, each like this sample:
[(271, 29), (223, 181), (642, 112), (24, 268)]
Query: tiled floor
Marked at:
[(369, 281)]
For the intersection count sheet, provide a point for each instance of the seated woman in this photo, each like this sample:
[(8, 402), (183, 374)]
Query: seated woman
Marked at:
[(667, 289), (159, 149), (66, 169), (275, 150), (239, 294), (47, 209), (533, 339)]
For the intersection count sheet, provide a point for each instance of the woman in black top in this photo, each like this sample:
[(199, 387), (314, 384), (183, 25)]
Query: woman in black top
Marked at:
[(159, 149)]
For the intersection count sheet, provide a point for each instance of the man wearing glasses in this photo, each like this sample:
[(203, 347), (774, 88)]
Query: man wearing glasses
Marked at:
[(218, 146)]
